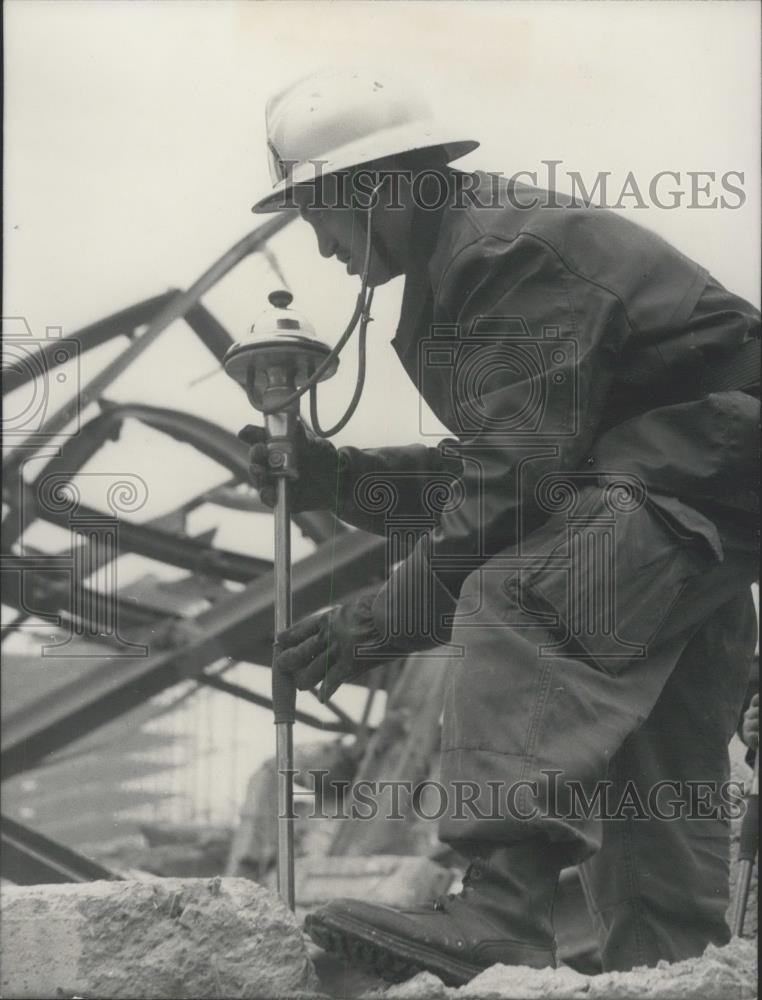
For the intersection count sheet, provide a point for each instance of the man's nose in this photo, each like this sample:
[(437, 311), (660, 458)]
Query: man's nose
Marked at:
[(326, 244)]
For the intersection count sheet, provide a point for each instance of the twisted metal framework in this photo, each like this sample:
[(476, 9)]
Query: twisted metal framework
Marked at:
[(236, 625)]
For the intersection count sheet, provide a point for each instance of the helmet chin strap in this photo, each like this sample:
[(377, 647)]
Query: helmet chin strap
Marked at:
[(361, 314), (377, 245), (382, 252)]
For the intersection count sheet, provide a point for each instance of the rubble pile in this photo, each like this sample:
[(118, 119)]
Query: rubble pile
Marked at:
[(233, 937), (728, 973)]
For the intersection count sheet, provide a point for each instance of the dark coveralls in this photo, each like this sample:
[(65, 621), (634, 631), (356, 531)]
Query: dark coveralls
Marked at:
[(600, 547)]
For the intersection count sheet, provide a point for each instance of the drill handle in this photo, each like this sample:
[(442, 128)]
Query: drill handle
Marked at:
[(281, 444)]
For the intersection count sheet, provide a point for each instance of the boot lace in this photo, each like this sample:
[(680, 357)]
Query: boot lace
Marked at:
[(473, 873)]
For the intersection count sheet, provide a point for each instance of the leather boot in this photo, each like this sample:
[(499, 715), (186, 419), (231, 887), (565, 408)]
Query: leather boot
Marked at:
[(502, 914)]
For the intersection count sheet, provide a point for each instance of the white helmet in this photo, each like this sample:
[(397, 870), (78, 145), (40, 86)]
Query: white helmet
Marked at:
[(342, 118)]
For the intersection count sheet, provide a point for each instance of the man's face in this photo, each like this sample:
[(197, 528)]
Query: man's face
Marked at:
[(342, 233)]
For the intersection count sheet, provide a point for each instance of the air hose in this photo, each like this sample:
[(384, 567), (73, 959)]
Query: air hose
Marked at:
[(361, 314)]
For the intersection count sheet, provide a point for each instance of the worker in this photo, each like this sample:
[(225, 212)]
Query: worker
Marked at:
[(589, 574)]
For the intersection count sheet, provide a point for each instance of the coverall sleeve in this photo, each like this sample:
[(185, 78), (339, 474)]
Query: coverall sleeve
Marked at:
[(574, 331), (408, 467)]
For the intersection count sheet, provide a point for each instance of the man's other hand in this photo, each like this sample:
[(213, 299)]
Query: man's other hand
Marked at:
[(317, 462), (322, 648)]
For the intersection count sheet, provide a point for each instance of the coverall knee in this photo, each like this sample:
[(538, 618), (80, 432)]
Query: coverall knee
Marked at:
[(611, 645)]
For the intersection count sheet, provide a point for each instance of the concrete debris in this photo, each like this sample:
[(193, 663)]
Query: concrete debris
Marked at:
[(387, 879), (172, 851), (183, 860), (502, 982), (254, 843), (338, 758), (254, 847), (314, 836), (424, 986), (728, 973), (163, 939)]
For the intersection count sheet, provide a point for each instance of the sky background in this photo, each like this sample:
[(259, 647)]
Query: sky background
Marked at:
[(135, 146)]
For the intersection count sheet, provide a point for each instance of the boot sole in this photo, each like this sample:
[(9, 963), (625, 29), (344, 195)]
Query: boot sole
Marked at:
[(392, 959)]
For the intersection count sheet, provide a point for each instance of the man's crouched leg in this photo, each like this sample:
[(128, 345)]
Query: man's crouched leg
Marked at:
[(502, 914), (535, 710)]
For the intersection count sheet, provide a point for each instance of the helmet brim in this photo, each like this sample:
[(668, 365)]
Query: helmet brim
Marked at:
[(392, 142)]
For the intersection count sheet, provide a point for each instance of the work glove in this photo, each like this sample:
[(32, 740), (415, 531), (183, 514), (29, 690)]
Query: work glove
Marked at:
[(321, 648), (318, 463)]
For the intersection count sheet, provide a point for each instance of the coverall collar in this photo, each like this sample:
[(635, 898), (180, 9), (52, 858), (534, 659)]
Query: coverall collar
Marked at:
[(418, 295)]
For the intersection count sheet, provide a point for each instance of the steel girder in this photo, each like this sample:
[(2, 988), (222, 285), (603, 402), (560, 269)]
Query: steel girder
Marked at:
[(30, 858), (238, 626), (125, 322), (177, 307)]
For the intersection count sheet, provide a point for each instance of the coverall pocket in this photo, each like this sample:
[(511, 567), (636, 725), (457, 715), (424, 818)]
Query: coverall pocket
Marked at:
[(606, 588)]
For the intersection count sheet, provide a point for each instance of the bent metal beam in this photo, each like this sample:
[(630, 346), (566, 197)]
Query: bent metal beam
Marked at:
[(239, 626)]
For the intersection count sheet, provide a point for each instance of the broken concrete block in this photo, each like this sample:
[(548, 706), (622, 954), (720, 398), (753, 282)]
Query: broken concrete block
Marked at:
[(162, 939)]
